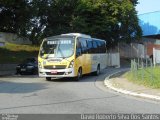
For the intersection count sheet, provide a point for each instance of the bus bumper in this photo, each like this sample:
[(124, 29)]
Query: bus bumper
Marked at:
[(57, 73)]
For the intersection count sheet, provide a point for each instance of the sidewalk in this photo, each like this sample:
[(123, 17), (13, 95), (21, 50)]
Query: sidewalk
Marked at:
[(122, 85)]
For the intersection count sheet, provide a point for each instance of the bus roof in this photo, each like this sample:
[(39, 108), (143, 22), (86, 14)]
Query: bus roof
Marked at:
[(77, 35), (69, 35), (74, 35), (98, 39)]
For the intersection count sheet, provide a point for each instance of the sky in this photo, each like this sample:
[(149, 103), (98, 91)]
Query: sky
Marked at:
[(146, 6)]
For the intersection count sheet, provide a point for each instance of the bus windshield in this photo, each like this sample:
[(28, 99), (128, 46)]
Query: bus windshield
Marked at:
[(57, 48)]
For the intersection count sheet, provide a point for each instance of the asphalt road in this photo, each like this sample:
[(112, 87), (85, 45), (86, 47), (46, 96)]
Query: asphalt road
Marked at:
[(30, 94)]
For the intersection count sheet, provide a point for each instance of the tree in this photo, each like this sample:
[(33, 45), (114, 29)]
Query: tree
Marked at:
[(129, 29), (113, 20), (14, 16), (134, 2), (39, 10), (60, 17)]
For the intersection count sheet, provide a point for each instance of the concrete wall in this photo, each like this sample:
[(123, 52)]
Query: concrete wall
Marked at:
[(133, 50), (113, 59), (156, 56), (7, 69), (2, 41), (13, 38), (151, 43), (2, 44)]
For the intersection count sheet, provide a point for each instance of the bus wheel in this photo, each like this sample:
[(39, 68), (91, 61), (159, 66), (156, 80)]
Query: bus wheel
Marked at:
[(98, 70), (79, 75), (48, 78)]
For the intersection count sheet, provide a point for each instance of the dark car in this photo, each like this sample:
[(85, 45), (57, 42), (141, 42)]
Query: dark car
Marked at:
[(28, 66)]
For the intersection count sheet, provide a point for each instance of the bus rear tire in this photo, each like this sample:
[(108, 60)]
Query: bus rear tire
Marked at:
[(48, 78), (79, 74)]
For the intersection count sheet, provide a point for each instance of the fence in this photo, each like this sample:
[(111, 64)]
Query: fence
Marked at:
[(144, 69)]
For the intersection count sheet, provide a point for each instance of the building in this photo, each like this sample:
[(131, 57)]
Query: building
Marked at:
[(150, 24)]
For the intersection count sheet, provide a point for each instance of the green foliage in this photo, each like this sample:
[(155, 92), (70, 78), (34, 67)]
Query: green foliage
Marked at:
[(38, 21), (14, 16), (150, 77), (112, 20), (12, 53), (59, 17), (134, 2)]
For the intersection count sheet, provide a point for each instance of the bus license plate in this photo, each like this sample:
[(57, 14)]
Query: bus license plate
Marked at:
[(53, 72)]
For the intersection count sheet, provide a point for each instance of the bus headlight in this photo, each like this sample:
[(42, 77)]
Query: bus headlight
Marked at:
[(39, 65), (71, 64), (44, 62)]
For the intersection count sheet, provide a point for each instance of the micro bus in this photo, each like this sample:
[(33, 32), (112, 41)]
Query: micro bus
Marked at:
[(71, 55)]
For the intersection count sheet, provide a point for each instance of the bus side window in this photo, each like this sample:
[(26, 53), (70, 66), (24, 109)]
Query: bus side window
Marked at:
[(78, 48), (99, 50), (90, 46), (95, 47), (83, 45), (103, 47)]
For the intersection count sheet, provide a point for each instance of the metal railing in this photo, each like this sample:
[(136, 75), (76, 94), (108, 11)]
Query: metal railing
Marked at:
[(142, 68)]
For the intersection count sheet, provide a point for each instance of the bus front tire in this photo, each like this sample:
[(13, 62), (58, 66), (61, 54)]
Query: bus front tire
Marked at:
[(48, 78), (79, 74)]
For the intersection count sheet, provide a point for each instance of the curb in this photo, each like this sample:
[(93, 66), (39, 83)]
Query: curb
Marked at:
[(126, 92)]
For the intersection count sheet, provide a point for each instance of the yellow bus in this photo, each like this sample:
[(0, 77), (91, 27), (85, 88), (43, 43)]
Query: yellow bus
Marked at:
[(71, 55)]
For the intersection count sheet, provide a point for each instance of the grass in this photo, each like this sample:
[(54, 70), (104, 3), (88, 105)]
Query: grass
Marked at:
[(149, 77), (13, 53)]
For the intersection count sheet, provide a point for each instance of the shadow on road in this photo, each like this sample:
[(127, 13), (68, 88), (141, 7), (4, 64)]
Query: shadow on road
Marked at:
[(86, 78), (20, 88)]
